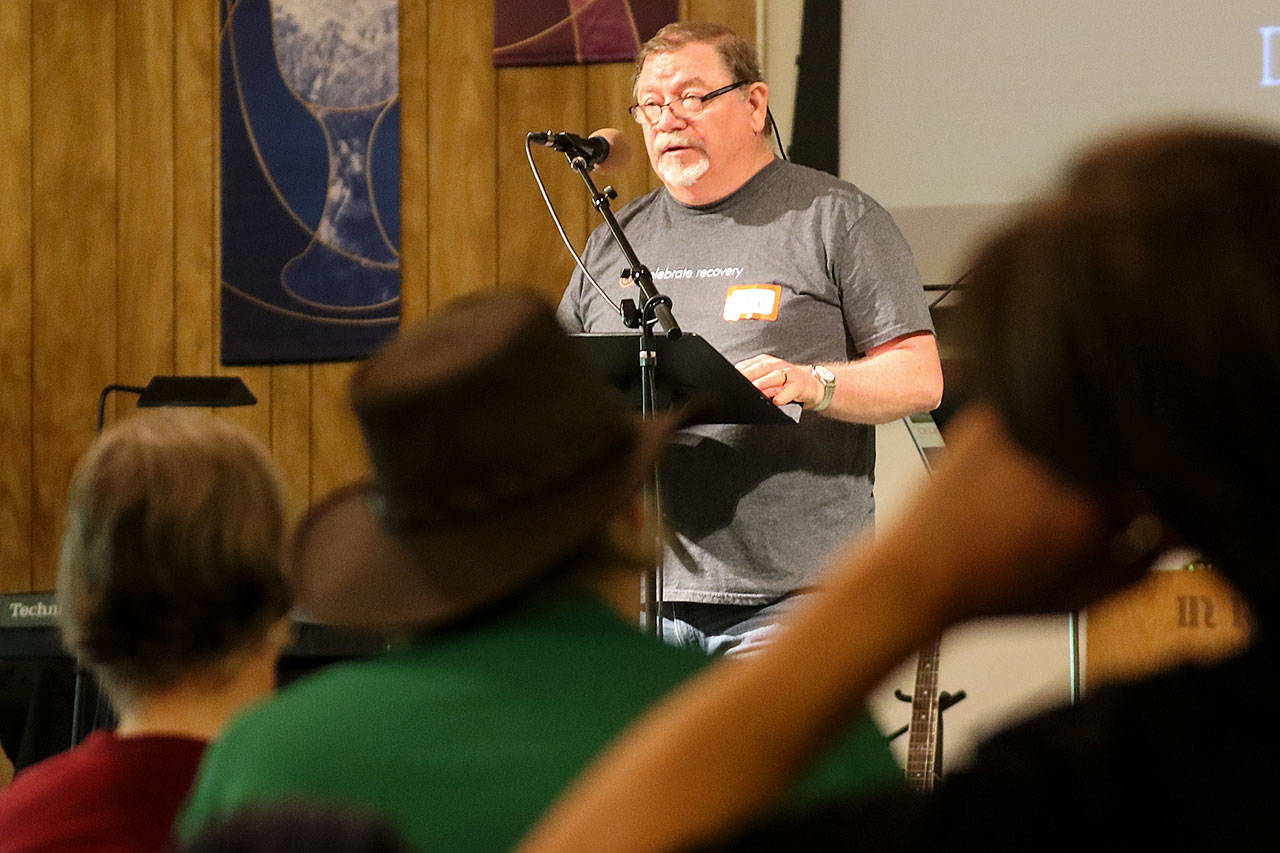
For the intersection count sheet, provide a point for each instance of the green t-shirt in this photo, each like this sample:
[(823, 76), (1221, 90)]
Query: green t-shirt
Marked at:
[(464, 738)]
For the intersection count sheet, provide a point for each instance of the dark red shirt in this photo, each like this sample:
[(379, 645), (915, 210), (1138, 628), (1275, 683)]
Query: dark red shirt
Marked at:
[(108, 794)]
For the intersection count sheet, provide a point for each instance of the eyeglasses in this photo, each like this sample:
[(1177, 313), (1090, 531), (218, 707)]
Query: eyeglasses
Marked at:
[(682, 108)]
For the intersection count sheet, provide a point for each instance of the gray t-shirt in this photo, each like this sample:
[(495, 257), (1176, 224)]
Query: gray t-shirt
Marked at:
[(797, 264)]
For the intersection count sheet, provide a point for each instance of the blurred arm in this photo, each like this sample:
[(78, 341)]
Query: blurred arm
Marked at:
[(995, 532)]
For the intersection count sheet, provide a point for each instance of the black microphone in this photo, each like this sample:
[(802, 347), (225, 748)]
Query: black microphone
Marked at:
[(594, 149)]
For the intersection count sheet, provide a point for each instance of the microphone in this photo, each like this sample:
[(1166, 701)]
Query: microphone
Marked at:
[(604, 144)]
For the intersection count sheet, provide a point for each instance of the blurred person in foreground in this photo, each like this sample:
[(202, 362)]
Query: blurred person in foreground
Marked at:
[(502, 537), (171, 595), (295, 825), (1126, 334)]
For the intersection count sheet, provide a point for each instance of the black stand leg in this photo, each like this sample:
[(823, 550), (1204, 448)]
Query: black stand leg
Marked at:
[(656, 309)]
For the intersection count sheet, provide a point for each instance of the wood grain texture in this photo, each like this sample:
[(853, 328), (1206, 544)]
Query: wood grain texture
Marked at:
[(195, 191), (74, 242), (737, 15), (291, 433), (17, 470), (257, 418), (337, 450), (462, 141), (110, 248), (415, 216), (608, 96), (144, 186), (531, 253)]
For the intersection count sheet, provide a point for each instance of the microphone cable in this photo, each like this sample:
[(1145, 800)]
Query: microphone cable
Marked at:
[(777, 134), (542, 190)]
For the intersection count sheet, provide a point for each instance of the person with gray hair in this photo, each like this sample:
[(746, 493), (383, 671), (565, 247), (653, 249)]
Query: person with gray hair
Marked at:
[(170, 593), (801, 280)]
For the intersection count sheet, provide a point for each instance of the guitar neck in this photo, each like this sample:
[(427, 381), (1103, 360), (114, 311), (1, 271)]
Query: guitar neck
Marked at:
[(922, 740)]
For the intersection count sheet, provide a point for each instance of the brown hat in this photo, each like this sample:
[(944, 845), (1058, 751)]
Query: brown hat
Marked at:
[(496, 450)]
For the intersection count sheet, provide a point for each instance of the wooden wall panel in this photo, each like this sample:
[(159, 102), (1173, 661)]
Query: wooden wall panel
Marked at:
[(195, 234), (144, 188), (256, 419), (110, 249), (462, 137), (74, 247), (291, 433), (415, 217), (530, 252), (337, 451), (608, 96), (738, 15), (16, 473)]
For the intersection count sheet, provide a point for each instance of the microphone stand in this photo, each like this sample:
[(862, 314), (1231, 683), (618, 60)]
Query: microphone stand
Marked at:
[(656, 308)]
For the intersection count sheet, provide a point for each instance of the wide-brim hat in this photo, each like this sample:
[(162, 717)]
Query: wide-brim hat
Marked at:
[(496, 449)]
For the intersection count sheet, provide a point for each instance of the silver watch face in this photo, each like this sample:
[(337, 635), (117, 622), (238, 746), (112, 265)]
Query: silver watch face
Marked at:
[(828, 380)]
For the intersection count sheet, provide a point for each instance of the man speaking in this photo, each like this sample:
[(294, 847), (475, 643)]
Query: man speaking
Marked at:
[(807, 285)]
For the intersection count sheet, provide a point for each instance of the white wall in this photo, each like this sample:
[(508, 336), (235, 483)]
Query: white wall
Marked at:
[(780, 44), (980, 102), (1008, 668), (952, 115)]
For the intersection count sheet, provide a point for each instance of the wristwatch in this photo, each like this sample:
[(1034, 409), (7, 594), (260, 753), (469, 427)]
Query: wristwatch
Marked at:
[(828, 380)]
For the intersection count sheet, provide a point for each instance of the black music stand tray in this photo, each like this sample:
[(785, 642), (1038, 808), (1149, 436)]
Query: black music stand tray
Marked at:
[(690, 374)]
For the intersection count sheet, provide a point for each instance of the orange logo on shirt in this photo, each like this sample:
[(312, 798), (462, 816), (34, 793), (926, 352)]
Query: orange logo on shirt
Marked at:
[(752, 302)]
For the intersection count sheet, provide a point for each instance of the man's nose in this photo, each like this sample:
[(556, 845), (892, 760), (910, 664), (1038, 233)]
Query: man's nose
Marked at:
[(668, 120)]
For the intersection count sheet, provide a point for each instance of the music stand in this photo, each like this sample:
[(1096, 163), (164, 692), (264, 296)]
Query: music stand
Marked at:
[(691, 375), (688, 374), (207, 391)]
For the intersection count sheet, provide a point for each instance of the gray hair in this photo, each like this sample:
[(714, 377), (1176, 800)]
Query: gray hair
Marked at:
[(738, 54), (171, 558)]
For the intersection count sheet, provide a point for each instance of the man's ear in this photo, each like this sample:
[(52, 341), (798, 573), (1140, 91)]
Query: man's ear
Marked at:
[(758, 99)]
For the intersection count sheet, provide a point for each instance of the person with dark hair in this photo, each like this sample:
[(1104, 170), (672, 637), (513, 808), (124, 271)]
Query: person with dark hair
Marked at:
[(806, 284), (1126, 341), (502, 537), (170, 593)]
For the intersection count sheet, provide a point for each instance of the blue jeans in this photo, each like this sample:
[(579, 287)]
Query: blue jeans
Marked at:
[(724, 629)]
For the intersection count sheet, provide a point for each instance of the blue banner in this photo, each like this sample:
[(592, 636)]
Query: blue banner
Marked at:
[(310, 179)]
